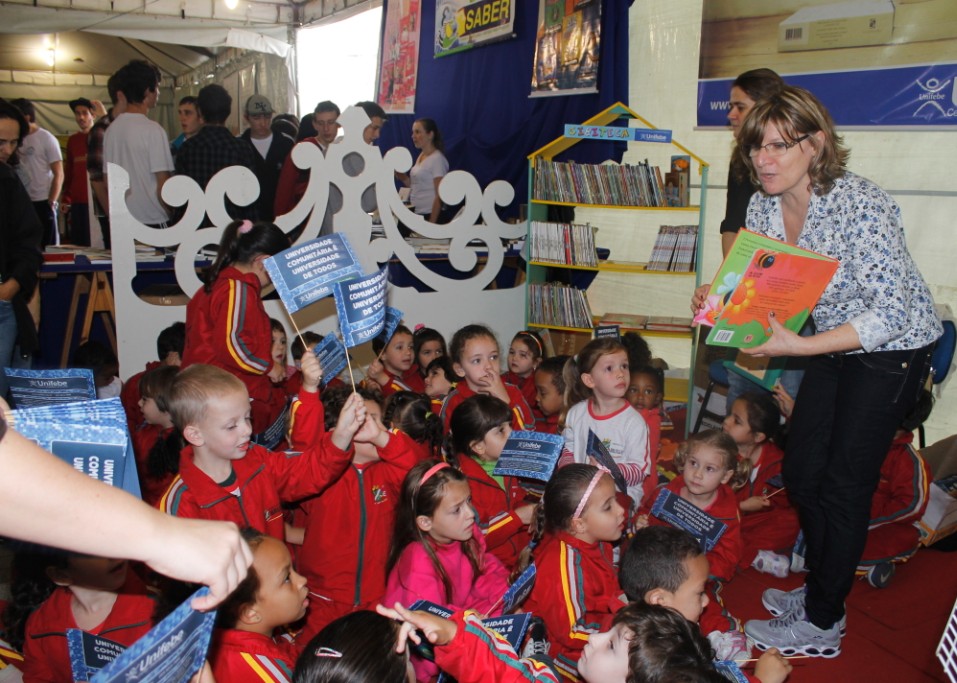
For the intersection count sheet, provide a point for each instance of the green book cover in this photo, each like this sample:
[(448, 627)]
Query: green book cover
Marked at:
[(760, 275)]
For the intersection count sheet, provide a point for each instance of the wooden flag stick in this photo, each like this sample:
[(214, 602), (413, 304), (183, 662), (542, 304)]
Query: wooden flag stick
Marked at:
[(348, 362), (774, 494), (745, 661), (296, 328)]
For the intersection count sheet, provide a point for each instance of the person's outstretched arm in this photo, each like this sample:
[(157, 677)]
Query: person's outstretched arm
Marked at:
[(46, 501)]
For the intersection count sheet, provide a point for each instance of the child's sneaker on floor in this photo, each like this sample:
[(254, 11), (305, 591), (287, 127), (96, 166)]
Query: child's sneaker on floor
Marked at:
[(880, 574), (537, 645), (779, 603), (730, 645), (768, 562), (793, 635)]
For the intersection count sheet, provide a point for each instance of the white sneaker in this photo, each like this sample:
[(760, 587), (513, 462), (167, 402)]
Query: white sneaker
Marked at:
[(779, 603), (768, 562), (793, 635), (730, 645)]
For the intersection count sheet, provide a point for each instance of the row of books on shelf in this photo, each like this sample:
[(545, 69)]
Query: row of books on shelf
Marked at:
[(675, 249), (568, 244), (558, 305), (651, 323), (613, 184)]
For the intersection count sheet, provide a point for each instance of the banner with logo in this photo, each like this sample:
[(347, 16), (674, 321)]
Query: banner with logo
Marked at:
[(880, 63), (399, 56), (463, 24), (566, 47)]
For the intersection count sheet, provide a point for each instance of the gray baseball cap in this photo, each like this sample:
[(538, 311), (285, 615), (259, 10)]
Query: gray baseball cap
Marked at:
[(258, 104)]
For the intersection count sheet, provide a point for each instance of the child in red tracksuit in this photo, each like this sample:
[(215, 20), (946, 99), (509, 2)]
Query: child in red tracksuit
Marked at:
[(227, 326), (550, 394), (95, 594), (394, 368), (438, 551), (440, 380), (223, 476), (169, 350), (427, 345), (475, 355), (244, 648), (413, 415), (576, 590), (480, 428), (525, 353), (150, 439), (348, 526), (769, 525), (709, 465), (646, 389)]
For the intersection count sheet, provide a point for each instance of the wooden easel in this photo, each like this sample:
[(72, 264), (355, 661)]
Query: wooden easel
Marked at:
[(100, 300)]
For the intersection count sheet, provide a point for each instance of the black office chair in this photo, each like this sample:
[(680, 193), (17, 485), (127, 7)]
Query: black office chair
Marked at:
[(941, 359), (717, 374)]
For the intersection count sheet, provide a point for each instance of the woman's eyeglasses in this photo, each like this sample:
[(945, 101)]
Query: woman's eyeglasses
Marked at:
[(776, 149)]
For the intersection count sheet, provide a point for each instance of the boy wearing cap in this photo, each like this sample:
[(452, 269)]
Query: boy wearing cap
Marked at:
[(75, 198), (272, 150)]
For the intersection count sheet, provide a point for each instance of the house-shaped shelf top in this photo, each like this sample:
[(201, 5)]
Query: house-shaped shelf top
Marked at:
[(605, 118)]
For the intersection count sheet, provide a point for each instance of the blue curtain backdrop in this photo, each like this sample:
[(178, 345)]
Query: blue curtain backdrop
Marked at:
[(479, 99)]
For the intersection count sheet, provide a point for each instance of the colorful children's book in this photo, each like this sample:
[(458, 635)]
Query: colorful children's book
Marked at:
[(760, 275)]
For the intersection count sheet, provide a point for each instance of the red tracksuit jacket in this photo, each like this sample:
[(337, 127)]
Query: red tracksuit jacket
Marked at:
[(144, 438), (46, 656), (243, 657), (505, 535), (576, 593), (726, 555), (228, 327), (264, 479), (130, 397), (522, 417), (348, 534), (525, 384), (774, 528)]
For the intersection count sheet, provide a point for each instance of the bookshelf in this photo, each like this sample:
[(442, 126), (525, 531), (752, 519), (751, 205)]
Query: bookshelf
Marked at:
[(628, 204)]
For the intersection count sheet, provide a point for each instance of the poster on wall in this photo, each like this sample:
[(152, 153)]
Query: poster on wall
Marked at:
[(399, 56), (566, 47), (873, 63), (463, 24)]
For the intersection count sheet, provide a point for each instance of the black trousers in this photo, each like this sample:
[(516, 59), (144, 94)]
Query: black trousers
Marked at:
[(847, 411)]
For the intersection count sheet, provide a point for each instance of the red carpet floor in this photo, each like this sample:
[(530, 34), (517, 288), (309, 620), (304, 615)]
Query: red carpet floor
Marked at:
[(892, 633)]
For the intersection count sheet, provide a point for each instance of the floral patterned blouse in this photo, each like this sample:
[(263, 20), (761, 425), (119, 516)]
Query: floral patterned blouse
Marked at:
[(877, 288)]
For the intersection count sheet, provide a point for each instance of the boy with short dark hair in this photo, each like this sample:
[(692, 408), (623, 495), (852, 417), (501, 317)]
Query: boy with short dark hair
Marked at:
[(169, 351)]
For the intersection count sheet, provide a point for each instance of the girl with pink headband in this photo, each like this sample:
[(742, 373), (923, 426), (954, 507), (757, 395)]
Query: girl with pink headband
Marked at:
[(438, 550), (576, 590)]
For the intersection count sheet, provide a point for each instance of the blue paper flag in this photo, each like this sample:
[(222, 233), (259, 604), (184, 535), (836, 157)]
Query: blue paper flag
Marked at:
[(520, 589), (171, 652), (730, 670), (393, 316), (679, 513), (529, 455), (594, 448), (89, 653), (30, 388), (361, 307), (305, 273), (332, 357)]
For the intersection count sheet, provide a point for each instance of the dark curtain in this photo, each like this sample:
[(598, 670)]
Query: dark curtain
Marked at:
[(479, 99)]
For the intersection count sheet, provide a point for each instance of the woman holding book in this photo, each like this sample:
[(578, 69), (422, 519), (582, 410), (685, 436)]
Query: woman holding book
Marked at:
[(866, 362)]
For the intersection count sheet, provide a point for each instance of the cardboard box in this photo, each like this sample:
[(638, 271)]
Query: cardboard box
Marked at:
[(842, 24), (940, 518)]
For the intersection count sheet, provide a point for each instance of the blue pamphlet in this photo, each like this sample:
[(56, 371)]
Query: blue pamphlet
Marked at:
[(171, 652), (360, 304), (520, 589), (90, 653), (777, 481), (597, 450), (332, 357), (511, 627), (90, 436), (530, 455), (274, 433), (304, 273), (30, 388), (393, 316), (679, 513), (730, 670)]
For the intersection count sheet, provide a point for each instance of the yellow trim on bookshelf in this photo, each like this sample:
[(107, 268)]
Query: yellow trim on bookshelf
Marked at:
[(643, 333), (617, 206), (603, 118), (563, 265)]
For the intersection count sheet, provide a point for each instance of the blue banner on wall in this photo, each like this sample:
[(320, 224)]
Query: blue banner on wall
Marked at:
[(921, 96)]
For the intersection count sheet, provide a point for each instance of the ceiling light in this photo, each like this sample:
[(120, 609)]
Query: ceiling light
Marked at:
[(51, 56), (232, 4)]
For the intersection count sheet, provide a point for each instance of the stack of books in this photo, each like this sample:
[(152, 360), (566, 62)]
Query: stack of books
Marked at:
[(558, 305), (675, 249), (566, 244), (608, 184), (652, 323)]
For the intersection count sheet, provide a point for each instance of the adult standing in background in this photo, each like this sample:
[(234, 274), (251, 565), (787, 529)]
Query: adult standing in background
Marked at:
[(427, 171), (189, 122), (41, 169), (272, 149), (214, 148), (747, 89), (75, 199), (140, 146), (875, 325), (20, 236), (95, 166)]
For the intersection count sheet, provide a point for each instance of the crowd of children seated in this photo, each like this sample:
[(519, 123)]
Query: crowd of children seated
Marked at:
[(367, 500)]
